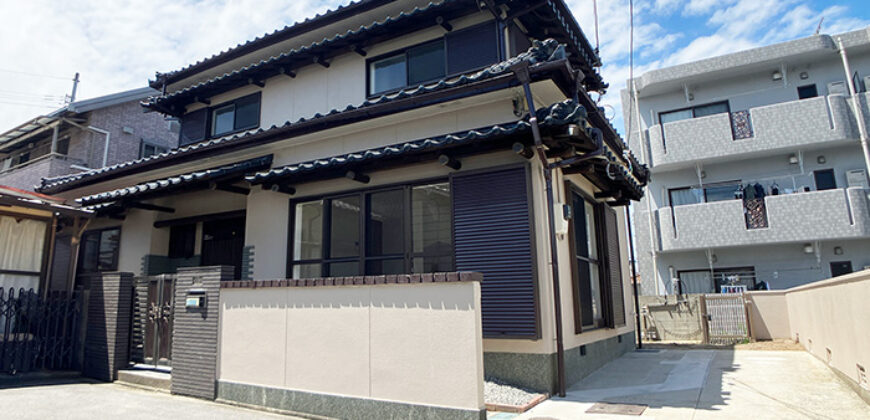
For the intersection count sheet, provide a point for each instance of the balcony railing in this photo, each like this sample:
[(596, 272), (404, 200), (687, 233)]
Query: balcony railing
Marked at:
[(781, 126), (801, 217)]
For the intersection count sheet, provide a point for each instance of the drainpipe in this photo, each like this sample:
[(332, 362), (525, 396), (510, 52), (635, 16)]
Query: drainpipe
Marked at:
[(859, 112), (649, 213), (521, 70), (634, 281)]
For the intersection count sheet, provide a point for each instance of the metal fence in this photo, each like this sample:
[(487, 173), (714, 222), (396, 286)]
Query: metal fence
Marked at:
[(726, 318), (38, 332)]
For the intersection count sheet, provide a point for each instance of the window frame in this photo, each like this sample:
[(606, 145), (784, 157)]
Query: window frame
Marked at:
[(115, 258), (693, 108), (716, 284), (579, 327), (703, 189), (499, 41), (815, 90), (158, 149), (408, 254), (209, 116)]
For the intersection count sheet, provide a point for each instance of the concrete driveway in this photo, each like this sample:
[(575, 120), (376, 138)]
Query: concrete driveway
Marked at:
[(86, 400), (711, 384)]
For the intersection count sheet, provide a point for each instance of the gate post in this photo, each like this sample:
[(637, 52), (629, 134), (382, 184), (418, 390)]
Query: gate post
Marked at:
[(108, 325), (195, 330), (705, 324)]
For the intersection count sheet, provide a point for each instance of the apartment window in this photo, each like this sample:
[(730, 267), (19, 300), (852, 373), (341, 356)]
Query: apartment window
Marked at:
[(706, 281), (149, 149), (182, 240), (100, 250), (709, 193), (825, 179), (226, 118), (390, 231), (455, 53), (807, 91), (588, 282), (63, 146), (693, 112)]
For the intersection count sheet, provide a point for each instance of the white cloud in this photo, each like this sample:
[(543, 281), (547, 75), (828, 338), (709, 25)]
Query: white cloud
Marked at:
[(118, 45)]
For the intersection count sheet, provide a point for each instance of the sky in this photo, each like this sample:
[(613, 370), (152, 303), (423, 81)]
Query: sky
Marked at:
[(118, 45)]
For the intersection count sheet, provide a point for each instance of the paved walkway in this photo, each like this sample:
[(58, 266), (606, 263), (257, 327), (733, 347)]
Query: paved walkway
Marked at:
[(711, 384), (85, 400)]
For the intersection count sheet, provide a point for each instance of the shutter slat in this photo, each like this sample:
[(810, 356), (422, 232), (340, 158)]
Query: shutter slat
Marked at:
[(614, 267), (493, 236)]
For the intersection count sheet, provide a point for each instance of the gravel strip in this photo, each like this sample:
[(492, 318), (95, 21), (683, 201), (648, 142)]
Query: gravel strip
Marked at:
[(498, 392)]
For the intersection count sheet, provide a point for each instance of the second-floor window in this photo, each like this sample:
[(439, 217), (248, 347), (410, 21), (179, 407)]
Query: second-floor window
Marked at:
[(222, 119), (149, 149), (693, 112), (457, 52), (707, 194)]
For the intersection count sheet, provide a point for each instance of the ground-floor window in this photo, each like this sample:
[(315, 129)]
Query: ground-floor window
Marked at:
[(100, 250), (588, 281), (395, 230)]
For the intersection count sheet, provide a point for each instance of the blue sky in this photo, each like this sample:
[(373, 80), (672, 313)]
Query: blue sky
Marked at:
[(119, 45)]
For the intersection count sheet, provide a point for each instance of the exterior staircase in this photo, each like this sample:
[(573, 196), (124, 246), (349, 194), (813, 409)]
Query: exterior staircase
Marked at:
[(151, 380)]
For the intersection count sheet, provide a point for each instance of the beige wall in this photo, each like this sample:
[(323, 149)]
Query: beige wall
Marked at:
[(768, 315), (830, 314), (414, 343)]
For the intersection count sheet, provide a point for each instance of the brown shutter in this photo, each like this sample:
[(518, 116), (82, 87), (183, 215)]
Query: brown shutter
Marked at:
[(614, 268)]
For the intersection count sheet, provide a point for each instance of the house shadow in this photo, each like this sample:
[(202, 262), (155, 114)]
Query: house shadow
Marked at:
[(43, 378)]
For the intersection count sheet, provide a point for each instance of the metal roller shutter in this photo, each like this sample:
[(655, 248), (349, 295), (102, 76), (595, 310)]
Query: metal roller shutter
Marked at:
[(493, 235)]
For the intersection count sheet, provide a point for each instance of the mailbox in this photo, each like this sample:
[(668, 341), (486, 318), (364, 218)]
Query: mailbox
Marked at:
[(195, 299)]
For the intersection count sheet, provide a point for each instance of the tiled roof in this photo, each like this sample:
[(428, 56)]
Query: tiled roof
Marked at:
[(539, 53), (313, 48), (236, 170), (267, 39), (556, 115)]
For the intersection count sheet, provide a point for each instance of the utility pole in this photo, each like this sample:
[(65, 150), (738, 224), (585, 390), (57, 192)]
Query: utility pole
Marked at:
[(72, 97)]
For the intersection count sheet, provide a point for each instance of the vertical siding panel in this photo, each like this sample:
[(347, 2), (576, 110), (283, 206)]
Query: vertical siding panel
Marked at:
[(493, 235)]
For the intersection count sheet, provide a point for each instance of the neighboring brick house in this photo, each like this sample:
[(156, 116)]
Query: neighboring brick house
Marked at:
[(72, 139)]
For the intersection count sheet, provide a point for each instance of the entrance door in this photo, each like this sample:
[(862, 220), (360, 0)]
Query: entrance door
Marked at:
[(223, 242), (158, 325)]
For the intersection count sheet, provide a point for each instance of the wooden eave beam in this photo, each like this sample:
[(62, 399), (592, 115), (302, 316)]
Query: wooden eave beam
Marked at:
[(289, 73), (279, 187), (229, 188), (147, 206), (444, 23)]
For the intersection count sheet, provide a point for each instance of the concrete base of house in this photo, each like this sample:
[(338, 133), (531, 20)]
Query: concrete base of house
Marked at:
[(538, 371), (334, 406)]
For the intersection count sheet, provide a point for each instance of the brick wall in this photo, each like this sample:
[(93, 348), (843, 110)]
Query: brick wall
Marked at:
[(108, 325), (124, 147)]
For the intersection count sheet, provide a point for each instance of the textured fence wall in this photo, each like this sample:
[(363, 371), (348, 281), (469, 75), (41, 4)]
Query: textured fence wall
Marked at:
[(672, 318), (406, 346), (195, 331), (108, 324)]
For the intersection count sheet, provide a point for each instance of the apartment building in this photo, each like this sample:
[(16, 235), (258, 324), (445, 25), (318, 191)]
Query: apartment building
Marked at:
[(81, 136), (377, 141), (758, 176)]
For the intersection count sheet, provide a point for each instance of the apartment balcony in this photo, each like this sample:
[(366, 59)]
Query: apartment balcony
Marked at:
[(28, 175), (801, 217), (825, 120)]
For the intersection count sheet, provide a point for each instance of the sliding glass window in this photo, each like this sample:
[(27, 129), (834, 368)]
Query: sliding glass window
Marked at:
[(398, 230)]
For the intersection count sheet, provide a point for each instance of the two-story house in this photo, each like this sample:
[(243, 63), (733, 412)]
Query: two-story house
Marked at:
[(81, 136), (759, 178), (391, 137)]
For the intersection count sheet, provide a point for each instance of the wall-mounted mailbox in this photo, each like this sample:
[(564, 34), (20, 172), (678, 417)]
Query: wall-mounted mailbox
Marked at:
[(195, 299)]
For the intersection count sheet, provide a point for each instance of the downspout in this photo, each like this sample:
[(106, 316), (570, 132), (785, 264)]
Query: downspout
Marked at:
[(634, 281), (649, 210), (859, 112), (521, 70)]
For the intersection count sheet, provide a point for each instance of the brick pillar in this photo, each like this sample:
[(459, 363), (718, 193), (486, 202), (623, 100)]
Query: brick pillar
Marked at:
[(195, 332), (108, 325)]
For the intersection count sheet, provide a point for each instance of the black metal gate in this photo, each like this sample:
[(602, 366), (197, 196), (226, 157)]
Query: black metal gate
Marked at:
[(38, 332)]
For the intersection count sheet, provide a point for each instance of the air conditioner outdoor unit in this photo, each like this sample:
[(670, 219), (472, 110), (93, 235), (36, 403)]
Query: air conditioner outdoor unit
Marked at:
[(856, 178), (838, 88)]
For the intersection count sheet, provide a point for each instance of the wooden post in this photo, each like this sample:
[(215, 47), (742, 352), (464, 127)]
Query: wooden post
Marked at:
[(705, 325)]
